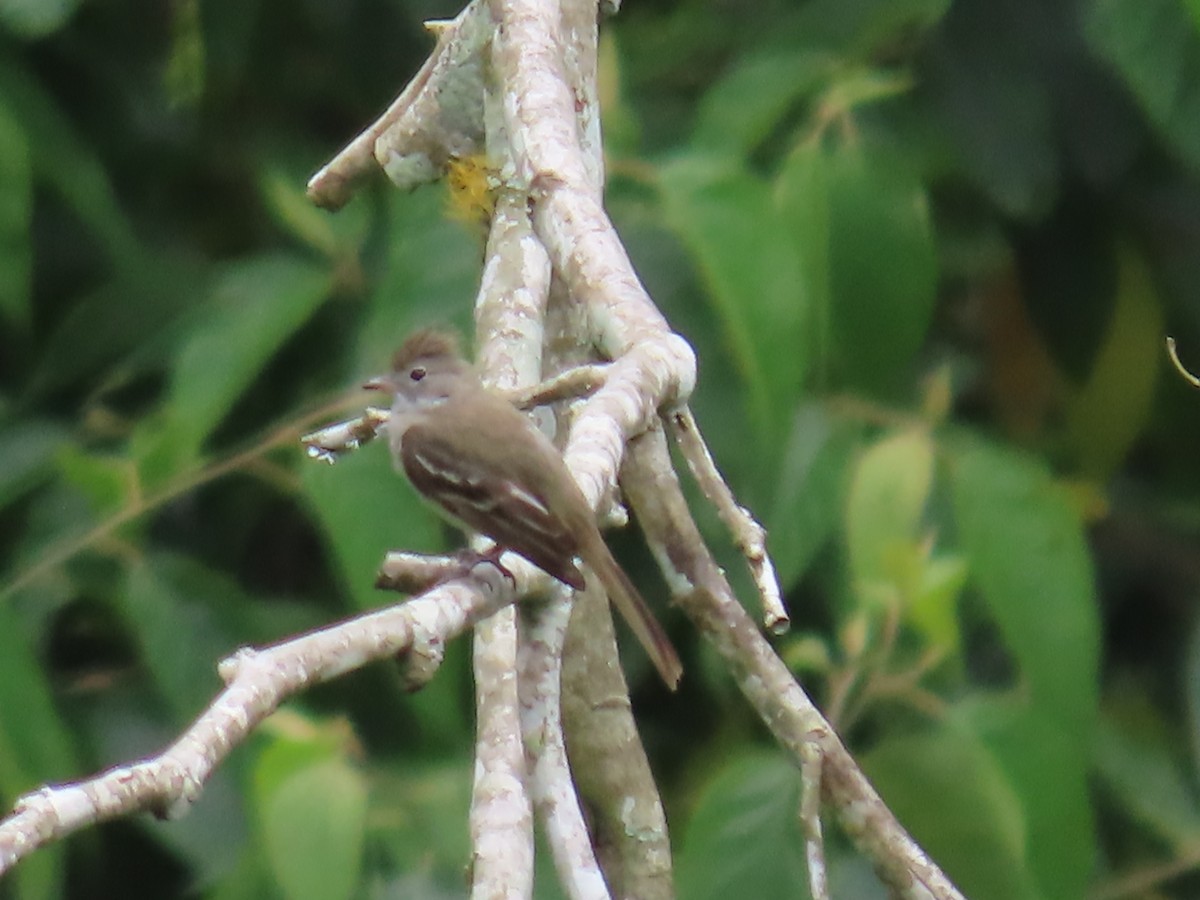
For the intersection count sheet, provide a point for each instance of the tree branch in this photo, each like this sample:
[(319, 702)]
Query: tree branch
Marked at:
[(518, 77), (540, 662), (257, 682), (701, 590)]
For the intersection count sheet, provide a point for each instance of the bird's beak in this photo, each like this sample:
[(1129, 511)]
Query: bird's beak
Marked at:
[(378, 383)]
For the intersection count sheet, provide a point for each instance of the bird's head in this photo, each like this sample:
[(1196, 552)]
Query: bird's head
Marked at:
[(426, 370)]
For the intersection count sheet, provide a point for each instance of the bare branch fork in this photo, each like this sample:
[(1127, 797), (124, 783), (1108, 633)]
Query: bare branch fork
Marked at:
[(560, 315)]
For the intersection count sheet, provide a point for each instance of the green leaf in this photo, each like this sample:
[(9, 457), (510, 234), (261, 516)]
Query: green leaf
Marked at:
[(249, 880), (992, 103), (35, 747), (420, 816), (1030, 561), (167, 603), (333, 236), (133, 319), (869, 311), (16, 218), (863, 86), (1191, 686), (1156, 51), (41, 876), (728, 221), (30, 19), (946, 789), (313, 825), (888, 493), (740, 111), (429, 275), (60, 517), (64, 163), (28, 449), (802, 197), (886, 21), (882, 268), (744, 838), (257, 305), (185, 73), (618, 121), (933, 609), (1047, 764), (365, 508), (104, 480), (1109, 413), (296, 745), (1136, 759), (229, 33), (807, 492), (860, 28)]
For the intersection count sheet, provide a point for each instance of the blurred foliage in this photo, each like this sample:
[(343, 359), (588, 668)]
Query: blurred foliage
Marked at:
[(927, 252)]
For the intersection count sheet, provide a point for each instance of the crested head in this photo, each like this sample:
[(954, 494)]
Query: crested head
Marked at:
[(426, 344), (426, 371)]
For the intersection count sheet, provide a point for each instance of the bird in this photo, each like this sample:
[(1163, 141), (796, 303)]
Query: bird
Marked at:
[(484, 466)]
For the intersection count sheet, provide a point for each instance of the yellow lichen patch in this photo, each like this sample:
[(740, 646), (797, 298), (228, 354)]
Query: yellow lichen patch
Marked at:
[(472, 184)]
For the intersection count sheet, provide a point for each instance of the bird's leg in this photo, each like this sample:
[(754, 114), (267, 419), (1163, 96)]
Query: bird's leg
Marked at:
[(469, 558)]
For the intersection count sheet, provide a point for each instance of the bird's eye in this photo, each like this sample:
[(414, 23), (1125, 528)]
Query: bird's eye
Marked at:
[(417, 374)]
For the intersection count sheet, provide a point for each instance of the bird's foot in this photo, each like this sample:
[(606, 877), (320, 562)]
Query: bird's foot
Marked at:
[(469, 559)]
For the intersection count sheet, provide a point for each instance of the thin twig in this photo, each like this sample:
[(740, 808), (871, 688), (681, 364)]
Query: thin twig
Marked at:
[(437, 116), (66, 550), (810, 820), (1143, 882), (410, 573), (749, 536), (578, 381), (1179, 367), (330, 443)]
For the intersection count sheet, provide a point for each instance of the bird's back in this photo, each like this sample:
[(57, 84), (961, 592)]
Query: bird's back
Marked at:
[(530, 511)]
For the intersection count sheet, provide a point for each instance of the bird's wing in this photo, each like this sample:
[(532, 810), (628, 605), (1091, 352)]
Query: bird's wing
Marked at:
[(513, 514)]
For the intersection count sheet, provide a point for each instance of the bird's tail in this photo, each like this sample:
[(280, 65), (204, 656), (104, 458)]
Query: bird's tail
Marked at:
[(629, 602)]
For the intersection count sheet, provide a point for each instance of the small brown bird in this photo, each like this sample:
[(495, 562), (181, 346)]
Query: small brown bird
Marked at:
[(482, 464)]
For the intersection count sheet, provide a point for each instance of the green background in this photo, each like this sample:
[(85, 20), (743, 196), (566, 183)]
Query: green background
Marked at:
[(927, 252)]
